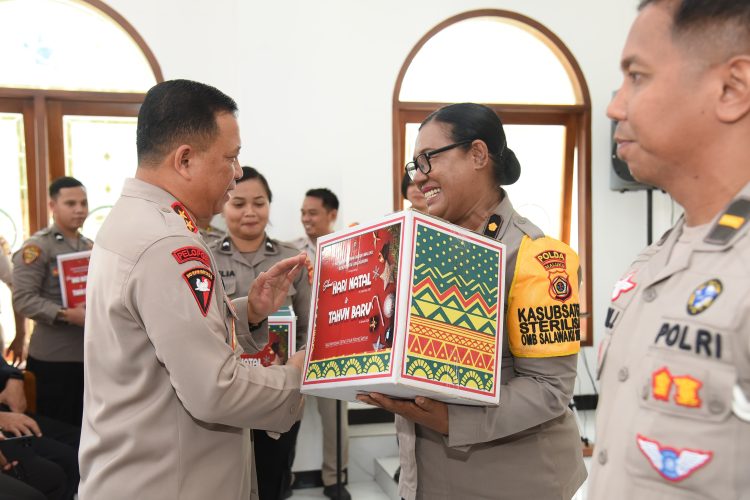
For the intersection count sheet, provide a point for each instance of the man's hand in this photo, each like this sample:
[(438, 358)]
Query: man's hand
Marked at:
[(269, 290), (13, 395), (76, 315), (18, 424), (423, 411), (298, 360)]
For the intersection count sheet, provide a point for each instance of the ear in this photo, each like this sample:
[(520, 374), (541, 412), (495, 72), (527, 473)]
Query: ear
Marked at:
[(479, 154), (734, 102), (181, 160), (333, 214)]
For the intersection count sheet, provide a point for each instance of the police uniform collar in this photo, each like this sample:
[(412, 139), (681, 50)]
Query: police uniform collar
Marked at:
[(54, 229), (136, 188), (270, 246)]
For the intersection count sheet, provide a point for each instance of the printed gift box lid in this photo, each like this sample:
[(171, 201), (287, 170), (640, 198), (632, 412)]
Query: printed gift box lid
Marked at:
[(282, 332), (407, 306)]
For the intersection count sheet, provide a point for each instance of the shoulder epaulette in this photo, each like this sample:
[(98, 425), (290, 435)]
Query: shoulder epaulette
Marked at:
[(730, 222)]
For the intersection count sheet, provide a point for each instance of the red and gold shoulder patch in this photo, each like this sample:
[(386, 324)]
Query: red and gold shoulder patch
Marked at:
[(201, 283), (30, 253), (180, 209), (543, 318), (186, 254)]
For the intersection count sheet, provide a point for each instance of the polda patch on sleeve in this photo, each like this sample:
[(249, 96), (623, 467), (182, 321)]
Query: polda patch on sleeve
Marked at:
[(201, 283), (543, 309), (187, 254), (30, 254)]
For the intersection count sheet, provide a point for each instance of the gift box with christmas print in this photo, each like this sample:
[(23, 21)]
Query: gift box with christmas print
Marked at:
[(407, 306), (282, 334)]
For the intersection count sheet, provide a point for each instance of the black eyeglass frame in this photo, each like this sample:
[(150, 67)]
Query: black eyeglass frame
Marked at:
[(412, 166)]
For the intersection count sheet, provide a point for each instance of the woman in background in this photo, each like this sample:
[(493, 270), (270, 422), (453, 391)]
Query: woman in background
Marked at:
[(244, 253)]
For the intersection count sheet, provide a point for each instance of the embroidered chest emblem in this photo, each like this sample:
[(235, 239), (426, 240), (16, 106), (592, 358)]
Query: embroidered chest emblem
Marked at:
[(686, 388), (623, 285), (704, 296), (671, 463)]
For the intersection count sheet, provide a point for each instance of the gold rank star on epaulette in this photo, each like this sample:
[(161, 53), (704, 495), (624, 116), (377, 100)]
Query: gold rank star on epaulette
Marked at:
[(180, 210)]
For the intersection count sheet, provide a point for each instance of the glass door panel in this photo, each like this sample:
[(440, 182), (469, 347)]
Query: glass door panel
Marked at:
[(100, 152), (14, 216)]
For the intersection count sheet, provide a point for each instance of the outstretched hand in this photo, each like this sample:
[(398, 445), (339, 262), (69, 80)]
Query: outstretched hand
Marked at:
[(423, 411), (270, 288)]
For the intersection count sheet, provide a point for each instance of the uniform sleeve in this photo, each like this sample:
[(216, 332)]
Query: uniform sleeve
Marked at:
[(190, 330), (301, 304), (251, 342), (543, 333), (29, 274), (5, 270)]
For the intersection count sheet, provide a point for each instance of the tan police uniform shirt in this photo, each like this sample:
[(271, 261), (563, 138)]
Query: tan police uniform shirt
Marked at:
[(167, 401), (528, 447), (675, 367), (37, 294), (211, 234), (238, 274)]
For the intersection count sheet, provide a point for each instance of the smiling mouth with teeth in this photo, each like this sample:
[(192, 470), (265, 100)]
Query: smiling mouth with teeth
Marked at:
[(432, 192)]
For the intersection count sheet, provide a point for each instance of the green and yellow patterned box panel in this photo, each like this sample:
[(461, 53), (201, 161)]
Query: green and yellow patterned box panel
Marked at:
[(452, 337)]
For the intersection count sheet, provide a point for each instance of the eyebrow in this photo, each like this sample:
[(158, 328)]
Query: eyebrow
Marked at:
[(628, 61)]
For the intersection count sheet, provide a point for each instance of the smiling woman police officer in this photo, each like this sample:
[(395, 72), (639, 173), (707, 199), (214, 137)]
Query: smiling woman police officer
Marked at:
[(529, 446), (244, 253)]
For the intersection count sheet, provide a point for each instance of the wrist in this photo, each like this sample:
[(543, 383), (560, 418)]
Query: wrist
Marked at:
[(62, 315), (256, 326)]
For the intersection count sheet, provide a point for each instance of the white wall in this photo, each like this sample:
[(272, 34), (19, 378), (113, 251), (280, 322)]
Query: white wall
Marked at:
[(314, 82)]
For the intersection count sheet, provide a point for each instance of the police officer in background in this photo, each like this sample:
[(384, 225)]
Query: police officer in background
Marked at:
[(56, 347), (674, 414), (244, 253), (168, 402), (318, 215)]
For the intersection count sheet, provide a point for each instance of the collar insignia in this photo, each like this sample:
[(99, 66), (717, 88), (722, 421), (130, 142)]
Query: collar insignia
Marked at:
[(180, 210)]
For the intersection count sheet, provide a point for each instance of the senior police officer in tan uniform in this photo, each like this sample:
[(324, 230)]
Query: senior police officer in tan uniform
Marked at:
[(674, 418), (241, 256), (529, 446), (167, 402), (56, 346)]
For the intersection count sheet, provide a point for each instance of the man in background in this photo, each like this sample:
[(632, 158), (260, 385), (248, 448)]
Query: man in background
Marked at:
[(318, 215), (56, 347)]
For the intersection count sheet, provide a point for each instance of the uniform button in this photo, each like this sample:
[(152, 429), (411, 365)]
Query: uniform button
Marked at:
[(523, 220), (622, 375), (716, 407), (649, 295), (602, 457)]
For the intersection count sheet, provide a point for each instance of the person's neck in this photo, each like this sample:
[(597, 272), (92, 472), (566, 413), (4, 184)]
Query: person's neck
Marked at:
[(704, 195), (248, 245), (71, 234), (314, 239), (480, 210)]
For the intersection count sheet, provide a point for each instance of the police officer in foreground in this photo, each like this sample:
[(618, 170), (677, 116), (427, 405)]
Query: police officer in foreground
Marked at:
[(56, 347), (241, 256), (674, 417), (168, 403)]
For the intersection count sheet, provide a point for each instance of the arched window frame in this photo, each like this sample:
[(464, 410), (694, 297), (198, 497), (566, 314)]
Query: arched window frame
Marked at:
[(42, 119), (576, 118)]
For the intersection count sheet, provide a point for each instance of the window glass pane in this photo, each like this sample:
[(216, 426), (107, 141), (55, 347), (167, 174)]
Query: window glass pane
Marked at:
[(14, 218), (100, 152), (537, 195), (490, 60), (63, 44)]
